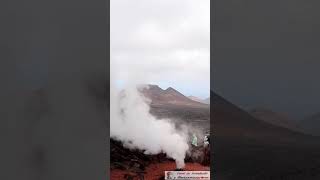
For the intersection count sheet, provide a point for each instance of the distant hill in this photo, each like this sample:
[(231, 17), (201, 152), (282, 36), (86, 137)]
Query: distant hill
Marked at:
[(311, 124), (194, 98), (204, 101), (169, 96), (207, 101), (275, 118)]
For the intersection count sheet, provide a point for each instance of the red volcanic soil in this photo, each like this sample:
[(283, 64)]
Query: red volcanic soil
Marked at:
[(156, 171)]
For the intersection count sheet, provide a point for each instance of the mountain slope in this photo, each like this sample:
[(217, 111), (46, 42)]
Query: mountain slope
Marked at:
[(204, 101), (170, 96), (230, 120), (248, 148), (172, 104), (207, 101), (194, 98), (275, 118)]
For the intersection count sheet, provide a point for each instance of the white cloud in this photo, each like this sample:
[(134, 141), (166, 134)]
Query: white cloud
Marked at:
[(162, 41)]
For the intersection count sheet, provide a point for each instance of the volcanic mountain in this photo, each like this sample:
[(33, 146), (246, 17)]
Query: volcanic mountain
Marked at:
[(172, 104), (248, 148), (311, 125), (170, 96)]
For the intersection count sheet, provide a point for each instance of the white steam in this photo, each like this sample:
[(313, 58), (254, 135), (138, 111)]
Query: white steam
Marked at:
[(150, 46), (132, 124)]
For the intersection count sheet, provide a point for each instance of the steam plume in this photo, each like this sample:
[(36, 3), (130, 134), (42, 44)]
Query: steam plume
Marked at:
[(131, 123)]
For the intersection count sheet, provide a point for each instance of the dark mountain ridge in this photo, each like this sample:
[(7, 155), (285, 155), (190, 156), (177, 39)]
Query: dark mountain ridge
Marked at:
[(248, 148), (275, 118)]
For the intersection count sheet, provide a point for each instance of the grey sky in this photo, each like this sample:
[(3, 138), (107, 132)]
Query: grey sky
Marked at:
[(163, 42), (266, 54)]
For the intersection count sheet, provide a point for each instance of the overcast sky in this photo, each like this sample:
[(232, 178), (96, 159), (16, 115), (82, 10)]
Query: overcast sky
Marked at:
[(266, 54), (164, 42)]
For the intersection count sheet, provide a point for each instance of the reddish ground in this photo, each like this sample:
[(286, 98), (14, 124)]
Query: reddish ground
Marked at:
[(156, 171)]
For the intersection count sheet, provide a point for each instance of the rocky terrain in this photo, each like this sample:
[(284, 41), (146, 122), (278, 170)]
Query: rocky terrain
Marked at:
[(134, 164)]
